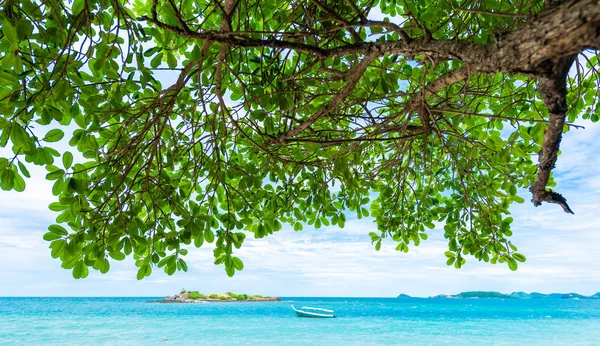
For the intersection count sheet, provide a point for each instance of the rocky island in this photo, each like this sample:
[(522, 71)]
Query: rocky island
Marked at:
[(196, 297)]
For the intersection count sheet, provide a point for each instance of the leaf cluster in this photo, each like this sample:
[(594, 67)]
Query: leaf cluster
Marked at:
[(246, 136)]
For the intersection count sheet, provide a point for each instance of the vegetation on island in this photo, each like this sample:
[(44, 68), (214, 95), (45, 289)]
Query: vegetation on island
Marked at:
[(229, 296), (202, 121), (482, 294)]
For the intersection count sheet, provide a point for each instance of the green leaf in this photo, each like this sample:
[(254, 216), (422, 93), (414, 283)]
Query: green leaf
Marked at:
[(183, 265), (105, 266), (196, 56), (58, 248), (78, 6), (71, 262), (9, 31), (230, 271), (518, 199), (54, 135), (199, 240), (7, 78), (19, 183), (512, 264), (20, 138), (7, 179), (171, 60), (155, 62), (57, 206), (80, 270), (24, 170), (209, 236), (57, 229), (519, 257), (49, 236), (55, 174), (67, 159), (24, 29), (59, 186), (142, 271), (164, 261), (318, 224), (237, 263), (119, 256)]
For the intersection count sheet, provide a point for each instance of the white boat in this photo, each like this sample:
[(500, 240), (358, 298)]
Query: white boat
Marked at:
[(313, 312)]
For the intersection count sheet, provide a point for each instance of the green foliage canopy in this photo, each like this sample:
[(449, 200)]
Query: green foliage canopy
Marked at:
[(204, 121)]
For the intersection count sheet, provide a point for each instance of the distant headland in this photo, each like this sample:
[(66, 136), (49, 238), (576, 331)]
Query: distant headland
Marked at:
[(196, 297), (514, 295)]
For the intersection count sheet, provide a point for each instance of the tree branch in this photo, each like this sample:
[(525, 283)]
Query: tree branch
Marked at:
[(353, 77), (553, 89), (565, 29)]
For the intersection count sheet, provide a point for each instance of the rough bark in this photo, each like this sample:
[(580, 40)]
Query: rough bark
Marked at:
[(565, 29), (553, 89)]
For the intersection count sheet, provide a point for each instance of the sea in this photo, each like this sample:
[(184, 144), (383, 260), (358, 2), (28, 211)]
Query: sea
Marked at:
[(360, 321)]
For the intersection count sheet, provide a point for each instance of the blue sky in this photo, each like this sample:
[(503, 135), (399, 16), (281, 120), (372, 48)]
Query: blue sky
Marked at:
[(562, 251)]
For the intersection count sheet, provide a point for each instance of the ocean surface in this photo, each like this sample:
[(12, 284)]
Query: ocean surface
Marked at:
[(361, 321)]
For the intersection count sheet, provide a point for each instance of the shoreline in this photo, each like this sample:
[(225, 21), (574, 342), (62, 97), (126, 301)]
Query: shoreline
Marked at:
[(203, 301), (193, 297)]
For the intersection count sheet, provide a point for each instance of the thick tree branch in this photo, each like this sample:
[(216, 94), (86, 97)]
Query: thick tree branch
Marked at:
[(553, 89), (565, 29)]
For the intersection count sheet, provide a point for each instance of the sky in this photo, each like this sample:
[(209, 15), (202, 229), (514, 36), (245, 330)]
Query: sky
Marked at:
[(561, 249)]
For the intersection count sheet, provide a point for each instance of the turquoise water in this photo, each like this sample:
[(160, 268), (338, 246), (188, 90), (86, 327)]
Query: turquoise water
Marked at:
[(362, 321)]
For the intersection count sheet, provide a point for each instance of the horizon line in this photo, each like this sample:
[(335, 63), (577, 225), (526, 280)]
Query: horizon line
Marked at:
[(310, 296)]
